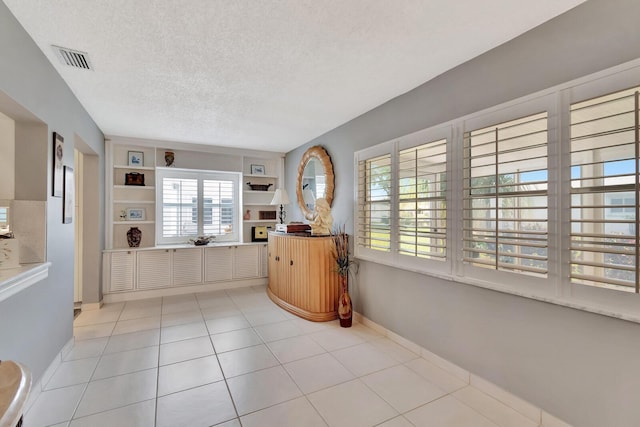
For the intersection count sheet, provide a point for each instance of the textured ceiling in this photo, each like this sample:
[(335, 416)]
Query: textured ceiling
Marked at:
[(262, 74)]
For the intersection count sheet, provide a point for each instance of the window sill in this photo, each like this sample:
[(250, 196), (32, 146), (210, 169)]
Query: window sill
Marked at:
[(14, 280)]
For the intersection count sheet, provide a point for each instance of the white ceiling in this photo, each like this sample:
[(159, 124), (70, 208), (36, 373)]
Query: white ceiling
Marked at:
[(262, 74)]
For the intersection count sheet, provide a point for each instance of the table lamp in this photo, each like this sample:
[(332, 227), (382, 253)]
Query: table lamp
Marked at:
[(281, 198)]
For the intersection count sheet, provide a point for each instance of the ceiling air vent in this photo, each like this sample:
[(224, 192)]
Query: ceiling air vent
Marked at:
[(73, 58)]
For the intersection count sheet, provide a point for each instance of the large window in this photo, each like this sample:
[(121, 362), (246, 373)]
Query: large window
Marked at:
[(539, 197), (604, 191), (402, 201), (197, 203), (505, 196)]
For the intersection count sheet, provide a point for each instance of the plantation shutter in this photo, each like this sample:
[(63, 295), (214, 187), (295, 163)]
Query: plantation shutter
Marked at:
[(422, 212), (218, 206), (374, 203), (179, 203), (197, 203), (505, 196), (604, 191)]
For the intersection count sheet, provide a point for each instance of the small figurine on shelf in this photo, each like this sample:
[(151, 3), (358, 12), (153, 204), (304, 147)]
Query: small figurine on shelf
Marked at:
[(169, 158), (247, 215)]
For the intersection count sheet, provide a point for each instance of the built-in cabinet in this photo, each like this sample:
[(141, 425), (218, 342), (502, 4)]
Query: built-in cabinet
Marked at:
[(178, 268), (302, 275), (152, 269), (256, 208)]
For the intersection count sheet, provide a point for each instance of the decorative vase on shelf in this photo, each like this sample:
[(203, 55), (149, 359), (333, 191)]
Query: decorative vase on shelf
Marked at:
[(169, 157), (345, 309), (247, 215), (134, 237)]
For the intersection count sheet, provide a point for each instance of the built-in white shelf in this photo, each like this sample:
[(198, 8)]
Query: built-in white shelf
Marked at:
[(141, 202), (143, 187), (259, 192), (132, 222), (248, 175), (260, 220), (145, 168), (259, 204)]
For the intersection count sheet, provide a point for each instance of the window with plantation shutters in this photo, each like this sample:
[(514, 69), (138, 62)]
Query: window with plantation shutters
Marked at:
[(422, 204), (505, 196), (218, 206), (604, 191), (179, 207), (374, 203), (539, 196), (193, 203)]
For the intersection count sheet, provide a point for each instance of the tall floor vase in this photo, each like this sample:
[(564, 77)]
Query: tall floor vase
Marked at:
[(345, 309)]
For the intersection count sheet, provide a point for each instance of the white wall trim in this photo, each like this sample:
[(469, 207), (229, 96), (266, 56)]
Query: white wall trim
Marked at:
[(38, 387), (518, 404), (92, 306), (165, 292), (14, 280)]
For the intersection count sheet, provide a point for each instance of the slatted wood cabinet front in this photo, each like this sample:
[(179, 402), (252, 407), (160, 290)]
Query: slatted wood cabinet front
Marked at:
[(302, 276)]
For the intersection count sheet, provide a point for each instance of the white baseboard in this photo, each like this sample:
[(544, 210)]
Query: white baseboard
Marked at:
[(523, 407), (180, 290), (39, 385), (91, 306)]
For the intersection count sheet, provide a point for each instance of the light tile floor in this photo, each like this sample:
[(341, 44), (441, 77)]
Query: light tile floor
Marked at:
[(233, 358)]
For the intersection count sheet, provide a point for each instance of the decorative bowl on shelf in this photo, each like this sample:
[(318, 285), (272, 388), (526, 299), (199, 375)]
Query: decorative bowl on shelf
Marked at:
[(202, 240), (259, 187)]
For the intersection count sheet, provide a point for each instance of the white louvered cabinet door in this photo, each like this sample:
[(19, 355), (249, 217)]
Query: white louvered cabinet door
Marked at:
[(121, 271), (264, 261), (247, 262), (218, 264), (154, 269), (187, 267)]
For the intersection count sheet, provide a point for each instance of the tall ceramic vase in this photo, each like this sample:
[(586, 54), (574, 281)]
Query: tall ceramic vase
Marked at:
[(345, 310)]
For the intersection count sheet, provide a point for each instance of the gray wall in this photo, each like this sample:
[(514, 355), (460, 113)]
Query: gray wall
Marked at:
[(36, 323), (578, 366)]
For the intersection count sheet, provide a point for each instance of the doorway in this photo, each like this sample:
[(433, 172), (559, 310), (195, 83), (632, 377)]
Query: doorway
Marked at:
[(87, 294), (77, 278)]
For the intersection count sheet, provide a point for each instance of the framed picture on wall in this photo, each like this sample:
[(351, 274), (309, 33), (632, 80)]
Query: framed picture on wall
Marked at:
[(68, 204), (136, 158), (257, 169), (136, 214), (58, 157)]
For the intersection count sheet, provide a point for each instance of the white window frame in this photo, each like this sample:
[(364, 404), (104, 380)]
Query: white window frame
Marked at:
[(556, 287), (525, 282), (617, 301), (393, 257), (200, 176), (411, 143)]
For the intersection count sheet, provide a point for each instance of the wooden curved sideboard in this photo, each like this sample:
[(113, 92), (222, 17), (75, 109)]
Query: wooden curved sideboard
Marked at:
[(302, 276)]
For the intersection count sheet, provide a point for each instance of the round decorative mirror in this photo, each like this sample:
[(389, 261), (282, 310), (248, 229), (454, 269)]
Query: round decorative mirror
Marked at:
[(315, 179)]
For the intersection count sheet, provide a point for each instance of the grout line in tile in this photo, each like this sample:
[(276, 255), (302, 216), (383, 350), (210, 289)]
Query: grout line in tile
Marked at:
[(224, 378), (235, 298)]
